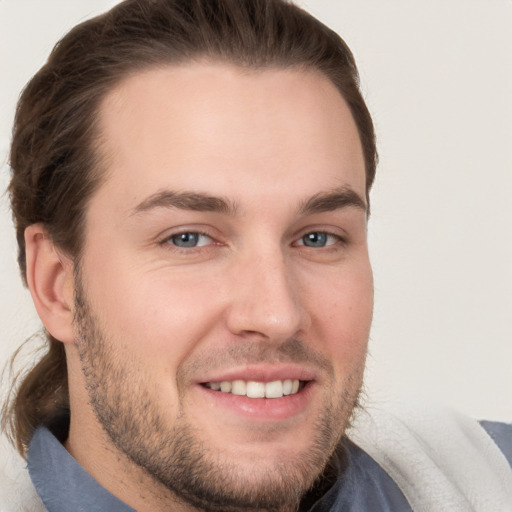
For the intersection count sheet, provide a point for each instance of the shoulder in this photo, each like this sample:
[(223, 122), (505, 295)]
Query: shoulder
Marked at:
[(439, 457), (17, 494), (501, 434)]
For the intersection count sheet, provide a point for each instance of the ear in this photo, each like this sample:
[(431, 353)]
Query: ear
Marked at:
[(50, 281)]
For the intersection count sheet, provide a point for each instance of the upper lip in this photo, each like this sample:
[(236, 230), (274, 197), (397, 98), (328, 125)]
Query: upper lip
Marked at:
[(262, 373)]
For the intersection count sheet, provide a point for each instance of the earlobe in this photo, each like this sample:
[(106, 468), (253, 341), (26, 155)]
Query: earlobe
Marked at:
[(50, 280)]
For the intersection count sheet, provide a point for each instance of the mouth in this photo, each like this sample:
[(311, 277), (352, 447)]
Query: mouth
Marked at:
[(256, 389)]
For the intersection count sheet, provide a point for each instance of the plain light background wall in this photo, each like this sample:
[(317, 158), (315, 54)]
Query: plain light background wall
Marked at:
[(437, 77)]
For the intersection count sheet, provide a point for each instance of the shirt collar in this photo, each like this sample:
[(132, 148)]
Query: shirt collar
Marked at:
[(63, 485), (61, 482)]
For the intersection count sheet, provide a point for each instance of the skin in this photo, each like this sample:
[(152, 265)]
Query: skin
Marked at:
[(252, 300)]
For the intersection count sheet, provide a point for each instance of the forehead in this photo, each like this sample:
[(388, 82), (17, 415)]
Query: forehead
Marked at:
[(218, 127)]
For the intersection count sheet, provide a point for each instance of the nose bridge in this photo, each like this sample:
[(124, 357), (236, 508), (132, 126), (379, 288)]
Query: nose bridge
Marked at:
[(266, 299)]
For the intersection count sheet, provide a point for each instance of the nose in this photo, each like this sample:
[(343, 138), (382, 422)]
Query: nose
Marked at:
[(266, 301)]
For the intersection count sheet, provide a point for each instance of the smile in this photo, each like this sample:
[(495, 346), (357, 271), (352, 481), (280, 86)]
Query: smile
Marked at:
[(254, 389)]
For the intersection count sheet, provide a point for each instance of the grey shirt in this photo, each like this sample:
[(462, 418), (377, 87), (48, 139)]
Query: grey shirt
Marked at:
[(360, 483)]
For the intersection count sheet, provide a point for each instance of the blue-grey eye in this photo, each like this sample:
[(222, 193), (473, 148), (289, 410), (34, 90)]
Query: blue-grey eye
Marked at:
[(189, 239), (318, 239), (315, 239)]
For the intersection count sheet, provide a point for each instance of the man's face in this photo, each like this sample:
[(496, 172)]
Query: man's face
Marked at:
[(225, 260)]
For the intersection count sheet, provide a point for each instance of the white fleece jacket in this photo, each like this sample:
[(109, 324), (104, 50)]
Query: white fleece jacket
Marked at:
[(440, 459)]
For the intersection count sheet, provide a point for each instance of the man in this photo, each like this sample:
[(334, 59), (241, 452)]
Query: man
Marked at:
[(191, 192)]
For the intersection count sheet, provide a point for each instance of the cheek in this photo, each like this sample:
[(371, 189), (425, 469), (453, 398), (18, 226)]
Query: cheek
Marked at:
[(156, 312), (342, 315)]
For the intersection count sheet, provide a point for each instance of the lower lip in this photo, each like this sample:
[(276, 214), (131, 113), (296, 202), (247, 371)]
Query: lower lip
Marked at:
[(262, 409)]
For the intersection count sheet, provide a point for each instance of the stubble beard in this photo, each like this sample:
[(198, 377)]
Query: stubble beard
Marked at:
[(176, 457)]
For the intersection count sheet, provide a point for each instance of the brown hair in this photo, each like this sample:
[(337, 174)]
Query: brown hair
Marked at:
[(54, 154)]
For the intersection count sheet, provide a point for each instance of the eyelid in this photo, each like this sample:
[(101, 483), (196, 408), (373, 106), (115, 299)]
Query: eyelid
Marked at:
[(336, 231), (187, 232), (165, 238)]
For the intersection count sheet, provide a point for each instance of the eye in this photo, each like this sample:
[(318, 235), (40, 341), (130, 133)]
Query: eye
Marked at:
[(318, 239), (189, 239)]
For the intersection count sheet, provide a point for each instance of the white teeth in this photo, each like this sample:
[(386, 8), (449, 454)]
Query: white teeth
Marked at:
[(274, 389), (253, 389), (238, 387), (225, 386), (287, 387)]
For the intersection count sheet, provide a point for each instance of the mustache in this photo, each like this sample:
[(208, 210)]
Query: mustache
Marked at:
[(256, 352)]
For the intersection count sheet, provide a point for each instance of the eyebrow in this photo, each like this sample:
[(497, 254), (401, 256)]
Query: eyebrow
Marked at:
[(186, 201), (322, 202), (333, 200)]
